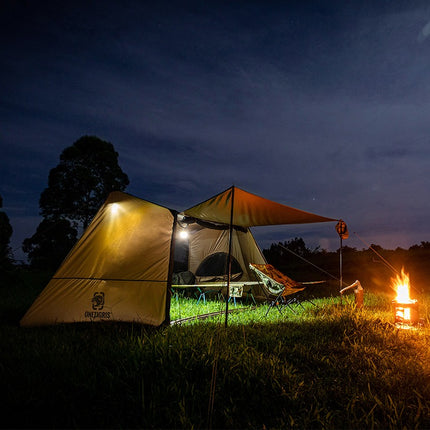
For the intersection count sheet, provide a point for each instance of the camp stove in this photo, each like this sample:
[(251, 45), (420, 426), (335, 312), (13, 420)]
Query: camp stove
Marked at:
[(406, 313), (405, 309)]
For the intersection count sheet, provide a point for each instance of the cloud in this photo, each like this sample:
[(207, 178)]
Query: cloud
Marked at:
[(328, 116), (424, 33)]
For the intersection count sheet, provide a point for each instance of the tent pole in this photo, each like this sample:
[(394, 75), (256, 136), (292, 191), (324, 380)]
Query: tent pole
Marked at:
[(170, 272), (230, 242), (340, 264)]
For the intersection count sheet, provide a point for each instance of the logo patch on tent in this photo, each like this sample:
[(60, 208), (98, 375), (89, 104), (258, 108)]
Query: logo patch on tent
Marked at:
[(98, 301), (97, 304)]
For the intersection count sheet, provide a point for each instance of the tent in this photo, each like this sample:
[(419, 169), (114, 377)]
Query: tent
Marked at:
[(208, 245), (121, 268), (208, 256), (237, 207), (118, 270)]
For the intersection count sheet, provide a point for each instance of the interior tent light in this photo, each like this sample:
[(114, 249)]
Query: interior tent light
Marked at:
[(183, 234), (114, 208)]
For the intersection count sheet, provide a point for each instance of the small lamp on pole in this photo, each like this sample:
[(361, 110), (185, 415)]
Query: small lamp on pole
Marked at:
[(342, 231)]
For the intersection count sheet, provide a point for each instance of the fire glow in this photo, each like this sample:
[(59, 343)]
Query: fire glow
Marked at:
[(405, 309)]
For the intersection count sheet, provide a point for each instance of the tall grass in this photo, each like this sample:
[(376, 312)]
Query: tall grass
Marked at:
[(330, 366)]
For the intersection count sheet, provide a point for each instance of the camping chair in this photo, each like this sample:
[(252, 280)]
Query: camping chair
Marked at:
[(206, 289), (281, 290)]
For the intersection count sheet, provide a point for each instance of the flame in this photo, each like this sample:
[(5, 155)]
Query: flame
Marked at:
[(405, 309), (401, 285)]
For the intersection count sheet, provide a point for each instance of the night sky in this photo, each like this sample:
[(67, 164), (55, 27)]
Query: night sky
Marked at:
[(319, 105)]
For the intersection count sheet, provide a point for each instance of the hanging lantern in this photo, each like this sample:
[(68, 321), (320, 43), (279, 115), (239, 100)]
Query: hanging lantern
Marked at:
[(342, 229)]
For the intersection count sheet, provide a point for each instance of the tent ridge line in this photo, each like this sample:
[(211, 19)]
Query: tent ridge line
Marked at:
[(110, 195)]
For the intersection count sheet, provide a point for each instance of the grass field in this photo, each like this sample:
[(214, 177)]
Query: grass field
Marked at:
[(331, 366)]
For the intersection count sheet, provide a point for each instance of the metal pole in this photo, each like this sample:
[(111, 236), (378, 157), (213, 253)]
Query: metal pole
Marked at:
[(230, 243), (170, 270), (340, 264)]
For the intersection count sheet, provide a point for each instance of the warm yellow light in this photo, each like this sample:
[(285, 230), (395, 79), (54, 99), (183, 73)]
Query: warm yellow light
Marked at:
[(114, 208), (183, 234), (403, 293), (401, 285)]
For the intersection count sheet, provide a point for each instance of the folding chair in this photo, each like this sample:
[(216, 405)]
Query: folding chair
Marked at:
[(280, 290)]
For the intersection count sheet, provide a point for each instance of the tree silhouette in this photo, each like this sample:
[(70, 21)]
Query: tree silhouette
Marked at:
[(5, 235), (423, 245), (48, 247), (88, 171), (280, 254), (298, 246)]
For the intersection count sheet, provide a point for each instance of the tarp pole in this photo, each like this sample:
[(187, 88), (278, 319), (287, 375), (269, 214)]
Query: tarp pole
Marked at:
[(230, 242), (340, 265), (170, 270), (342, 231)]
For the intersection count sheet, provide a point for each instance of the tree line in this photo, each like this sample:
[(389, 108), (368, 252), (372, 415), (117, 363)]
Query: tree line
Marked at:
[(373, 266)]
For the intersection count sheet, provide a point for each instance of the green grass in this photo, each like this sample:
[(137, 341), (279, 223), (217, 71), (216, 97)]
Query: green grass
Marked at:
[(331, 366)]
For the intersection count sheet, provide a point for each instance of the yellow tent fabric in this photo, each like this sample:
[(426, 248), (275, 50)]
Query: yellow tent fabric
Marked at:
[(118, 270), (250, 210)]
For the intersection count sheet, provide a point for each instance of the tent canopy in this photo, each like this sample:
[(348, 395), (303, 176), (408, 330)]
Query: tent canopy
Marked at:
[(249, 210)]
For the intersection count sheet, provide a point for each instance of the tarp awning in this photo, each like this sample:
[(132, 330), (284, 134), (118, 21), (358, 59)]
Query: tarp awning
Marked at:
[(250, 210)]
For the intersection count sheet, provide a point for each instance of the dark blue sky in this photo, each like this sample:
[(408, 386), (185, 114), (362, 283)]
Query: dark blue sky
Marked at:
[(323, 106)]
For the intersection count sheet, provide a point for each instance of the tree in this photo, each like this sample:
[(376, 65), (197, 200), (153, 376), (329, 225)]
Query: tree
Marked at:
[(298, 246), (48, 247), (348, 250), (5, 235), (278, 254), (88, 171), (423, 245)]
